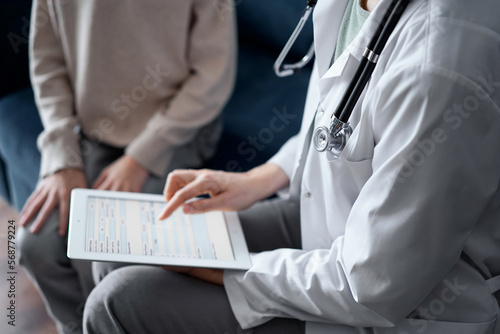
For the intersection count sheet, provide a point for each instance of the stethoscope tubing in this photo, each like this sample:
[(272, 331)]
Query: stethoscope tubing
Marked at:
[(334, 138), (369, 60), (284, 70)]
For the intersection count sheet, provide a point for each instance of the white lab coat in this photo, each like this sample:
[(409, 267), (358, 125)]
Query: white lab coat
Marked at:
[(385, 228)]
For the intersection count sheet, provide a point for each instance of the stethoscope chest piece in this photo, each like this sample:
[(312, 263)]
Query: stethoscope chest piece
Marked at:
[(320, 138), (332, 140)]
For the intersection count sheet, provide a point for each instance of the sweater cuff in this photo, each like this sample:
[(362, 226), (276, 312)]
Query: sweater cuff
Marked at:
[(59, 153), (151, 153)]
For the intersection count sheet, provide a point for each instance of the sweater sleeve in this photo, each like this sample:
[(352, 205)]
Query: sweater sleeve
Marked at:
[(58, 142), (200, 99)]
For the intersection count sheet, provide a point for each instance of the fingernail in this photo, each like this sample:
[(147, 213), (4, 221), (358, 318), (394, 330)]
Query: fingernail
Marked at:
[(188, 209), (161, 215)]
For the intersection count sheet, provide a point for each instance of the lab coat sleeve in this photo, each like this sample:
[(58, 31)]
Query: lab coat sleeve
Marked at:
[(200, 99), (58, 142), (435, 168)]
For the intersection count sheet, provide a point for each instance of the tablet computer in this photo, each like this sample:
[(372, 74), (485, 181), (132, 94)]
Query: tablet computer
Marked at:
[(123, 227)]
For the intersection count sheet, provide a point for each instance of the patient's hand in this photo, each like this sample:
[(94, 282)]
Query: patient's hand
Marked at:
[(125, 174), (52, 192)]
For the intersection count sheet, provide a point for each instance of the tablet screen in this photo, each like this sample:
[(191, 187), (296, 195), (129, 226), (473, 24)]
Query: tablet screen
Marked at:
[(124, 226)]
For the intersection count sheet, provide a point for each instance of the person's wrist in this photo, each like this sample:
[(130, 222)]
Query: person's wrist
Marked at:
[(65, 171), (267, 179), (131, 162)]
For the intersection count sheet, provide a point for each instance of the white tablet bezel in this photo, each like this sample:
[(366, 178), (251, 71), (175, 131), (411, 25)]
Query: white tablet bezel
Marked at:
[(77, 228)]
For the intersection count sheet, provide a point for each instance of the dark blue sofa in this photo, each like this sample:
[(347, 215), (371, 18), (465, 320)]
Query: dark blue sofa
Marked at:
[(19, 120), (263, 112)]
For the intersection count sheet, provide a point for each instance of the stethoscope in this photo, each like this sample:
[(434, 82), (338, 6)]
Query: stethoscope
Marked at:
[(334, 138)]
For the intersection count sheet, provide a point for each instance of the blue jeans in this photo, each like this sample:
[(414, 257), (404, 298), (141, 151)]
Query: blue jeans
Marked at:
[(20, 126)]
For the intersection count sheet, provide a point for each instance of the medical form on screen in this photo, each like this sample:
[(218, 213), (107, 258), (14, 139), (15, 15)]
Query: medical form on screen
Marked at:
[(123, 226)]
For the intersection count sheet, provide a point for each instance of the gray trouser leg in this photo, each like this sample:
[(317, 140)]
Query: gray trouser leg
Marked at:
[(271, 224), (148, 299), (65, 283)]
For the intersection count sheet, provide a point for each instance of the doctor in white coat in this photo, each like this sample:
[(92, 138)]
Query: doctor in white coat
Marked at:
[(402, 233)]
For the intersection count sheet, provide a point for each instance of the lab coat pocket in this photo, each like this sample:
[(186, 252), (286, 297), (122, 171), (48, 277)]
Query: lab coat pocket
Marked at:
[(352, 175), (417, 326), (360, 171)]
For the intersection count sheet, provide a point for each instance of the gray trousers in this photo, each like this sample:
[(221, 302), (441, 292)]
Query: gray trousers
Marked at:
[(148, 299), (64, 283)]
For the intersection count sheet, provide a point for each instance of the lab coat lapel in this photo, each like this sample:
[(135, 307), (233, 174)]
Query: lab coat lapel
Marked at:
[(326, 44), (351, 57), (327, 18)]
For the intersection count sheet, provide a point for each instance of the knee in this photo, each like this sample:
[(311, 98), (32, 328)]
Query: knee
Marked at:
[(30, 250), (101, 269), (96, 312), (39, 250), (103, 306), (28, 246)]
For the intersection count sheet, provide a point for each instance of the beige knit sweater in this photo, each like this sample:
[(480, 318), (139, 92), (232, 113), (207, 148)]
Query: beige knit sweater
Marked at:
[(146, 75)]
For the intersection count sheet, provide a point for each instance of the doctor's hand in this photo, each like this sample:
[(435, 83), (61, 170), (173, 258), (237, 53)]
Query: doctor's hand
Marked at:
[(125, 174), (206, 274), (228, 191), (52, 191)]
